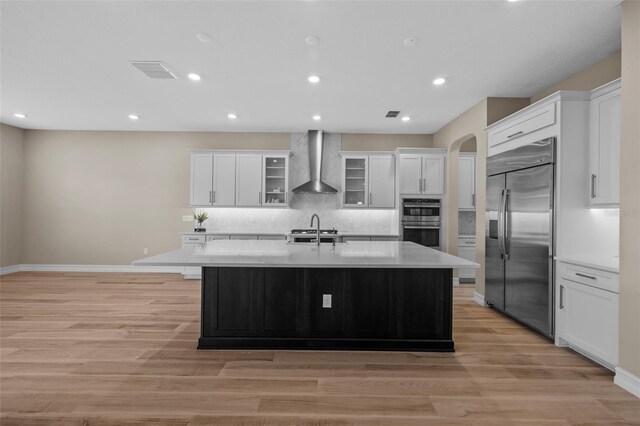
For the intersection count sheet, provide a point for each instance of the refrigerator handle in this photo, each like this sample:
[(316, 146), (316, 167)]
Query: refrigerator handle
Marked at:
[(505, 231), (501, 225)]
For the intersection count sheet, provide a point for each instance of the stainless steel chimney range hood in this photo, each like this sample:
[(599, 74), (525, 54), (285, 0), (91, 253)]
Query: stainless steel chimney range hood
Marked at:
[(315, 184)]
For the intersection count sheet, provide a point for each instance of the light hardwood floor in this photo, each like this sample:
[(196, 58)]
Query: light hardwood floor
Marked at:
[(119, 349)]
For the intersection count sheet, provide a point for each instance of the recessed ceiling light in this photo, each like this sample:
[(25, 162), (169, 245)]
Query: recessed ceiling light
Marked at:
[(405, 118), (314, 79), (317, 117), (311, 40), (411, 41), (133, 117), (232, 116), (20, 115), (439, 81), (512, 1), (204, 37), (193, 76)]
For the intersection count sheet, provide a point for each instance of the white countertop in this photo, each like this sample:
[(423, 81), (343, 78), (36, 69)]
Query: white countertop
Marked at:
[(283, 234), (602, 262), (279, 253), (339, 234)]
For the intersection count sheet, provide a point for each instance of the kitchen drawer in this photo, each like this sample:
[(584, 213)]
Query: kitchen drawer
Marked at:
[(272, 237), (346, 239), (217, 237), (381, 238), (193, 239), (525, 124), (466, 242), (243, 237), (591, 277)]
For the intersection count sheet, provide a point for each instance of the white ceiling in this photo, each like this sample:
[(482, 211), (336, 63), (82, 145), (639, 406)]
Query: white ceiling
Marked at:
[(65, 64)]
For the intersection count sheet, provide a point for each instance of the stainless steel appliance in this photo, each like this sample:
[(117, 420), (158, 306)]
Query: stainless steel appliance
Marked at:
[(421, 221), (315, 184), (309, 235), (519, 234)]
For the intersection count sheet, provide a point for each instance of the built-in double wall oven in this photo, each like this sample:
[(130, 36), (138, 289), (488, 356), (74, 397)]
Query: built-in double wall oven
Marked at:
[(421, 221)]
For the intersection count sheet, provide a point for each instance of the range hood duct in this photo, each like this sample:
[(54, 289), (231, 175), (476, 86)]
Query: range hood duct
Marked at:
[(315, 184)]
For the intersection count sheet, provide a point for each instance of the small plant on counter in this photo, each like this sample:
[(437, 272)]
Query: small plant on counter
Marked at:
[(200, 217)]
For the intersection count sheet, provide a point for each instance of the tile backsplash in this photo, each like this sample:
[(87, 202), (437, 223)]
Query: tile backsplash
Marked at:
[(466, 222), (328, 206)]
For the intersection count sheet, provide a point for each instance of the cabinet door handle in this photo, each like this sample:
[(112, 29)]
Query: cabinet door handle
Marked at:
[(210, 199), (585, 276), (420, 185), (561, 297), (370, 199), (424, 184), (259, 197), (593, 186), (515, 134), (473, 200)]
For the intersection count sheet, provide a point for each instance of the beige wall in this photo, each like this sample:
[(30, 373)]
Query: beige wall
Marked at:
[(468, 125), (629, 191), (499, 108), (601, 72), (11, 180), (471, 124), (95, 197), (384, 142), (102, 197)]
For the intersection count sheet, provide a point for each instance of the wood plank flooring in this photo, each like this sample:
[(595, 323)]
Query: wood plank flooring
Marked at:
[(119, 349)]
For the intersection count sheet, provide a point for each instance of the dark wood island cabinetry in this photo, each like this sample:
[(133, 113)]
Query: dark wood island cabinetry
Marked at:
[(277, 308), (361, 295)]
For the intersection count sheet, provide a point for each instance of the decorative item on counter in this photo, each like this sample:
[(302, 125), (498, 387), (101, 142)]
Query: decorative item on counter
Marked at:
[(199, 218)]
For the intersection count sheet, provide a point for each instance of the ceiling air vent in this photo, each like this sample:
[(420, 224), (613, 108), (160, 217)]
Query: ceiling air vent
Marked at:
[(154, 69), (392, 114)]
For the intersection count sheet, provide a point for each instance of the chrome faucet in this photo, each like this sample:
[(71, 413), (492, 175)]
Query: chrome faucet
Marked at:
[(317, 229)]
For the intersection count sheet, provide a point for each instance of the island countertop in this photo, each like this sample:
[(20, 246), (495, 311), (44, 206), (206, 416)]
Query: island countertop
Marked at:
[(281, 254)]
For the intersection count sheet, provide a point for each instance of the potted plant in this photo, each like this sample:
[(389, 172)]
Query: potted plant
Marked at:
[(199, 218)]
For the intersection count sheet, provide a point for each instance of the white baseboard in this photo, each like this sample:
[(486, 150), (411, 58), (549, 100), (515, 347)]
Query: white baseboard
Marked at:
[(478, 298), (627, 381), (456, 281), (9, 269), (90, 268)]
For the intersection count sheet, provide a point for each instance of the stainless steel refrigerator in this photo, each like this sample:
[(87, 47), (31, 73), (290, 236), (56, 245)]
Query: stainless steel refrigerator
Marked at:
[(519, 234)]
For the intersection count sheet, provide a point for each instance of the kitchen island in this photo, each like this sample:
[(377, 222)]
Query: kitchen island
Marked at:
[(367, 295)]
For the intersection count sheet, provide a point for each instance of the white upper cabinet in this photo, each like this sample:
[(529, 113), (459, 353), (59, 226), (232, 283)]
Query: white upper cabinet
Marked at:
[(224, 180), (433, 175), (355, 181), (275, 186), (227, 179), (411, 174), (382, 181), (201, 194), (368, 180), (421, 174), (248, 180), (604, 145), (467, 182)]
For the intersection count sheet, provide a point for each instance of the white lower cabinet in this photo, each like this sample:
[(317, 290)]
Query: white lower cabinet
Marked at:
[(467, 250), (587, 317), (195, 273), (243, 237)]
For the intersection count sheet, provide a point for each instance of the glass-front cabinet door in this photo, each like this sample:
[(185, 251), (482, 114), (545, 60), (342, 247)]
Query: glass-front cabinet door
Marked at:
[(276, 181), (355, 182)]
